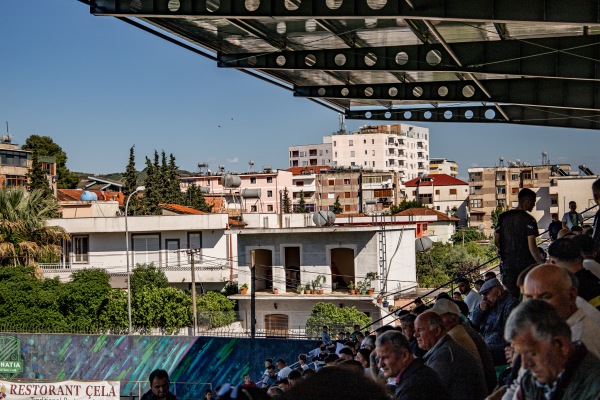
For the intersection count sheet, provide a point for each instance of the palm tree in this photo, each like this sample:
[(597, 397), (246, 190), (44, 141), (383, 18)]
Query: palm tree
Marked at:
[(24, 236)]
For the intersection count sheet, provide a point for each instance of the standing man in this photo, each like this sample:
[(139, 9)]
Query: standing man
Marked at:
[(554, 227), (515, 238), (471, 297), (572, 218), (159, 386)]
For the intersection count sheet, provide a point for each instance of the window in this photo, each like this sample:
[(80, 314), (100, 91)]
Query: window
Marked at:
[(270, 207), (535, 175), (526, 175), (334, 143), (476, 203), (515, 190), (352, 153), (269, 179), (252, 208), (331, 195), (352, 163), (80, 249), (15, 158), (172, 247), (15, 180), (477, 217), (346, 181), (373, 163), (253, 181), (366, 152), (437, 192), (414, 192), (350, 142), (335, 155), (501, 203), (452, 191), (373, 152), (269, 193), (365, 141), (346, 195), (514, 177), (553, 201), (501, 190), (146, 249), (347, 208), (372, 141), (298, 183), (331, 182)]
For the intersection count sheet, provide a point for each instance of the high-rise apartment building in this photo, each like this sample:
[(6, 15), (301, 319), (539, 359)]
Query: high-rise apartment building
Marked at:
[(398, 148), (443, 166)]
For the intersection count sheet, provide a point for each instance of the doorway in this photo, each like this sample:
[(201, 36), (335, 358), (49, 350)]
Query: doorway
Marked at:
[(291, 263), (264, 268), (342, 266)]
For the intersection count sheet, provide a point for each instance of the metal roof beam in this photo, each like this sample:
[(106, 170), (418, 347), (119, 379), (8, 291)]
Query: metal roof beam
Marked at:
[(541, 11), (569, 57), (579, 119), (559, 93)]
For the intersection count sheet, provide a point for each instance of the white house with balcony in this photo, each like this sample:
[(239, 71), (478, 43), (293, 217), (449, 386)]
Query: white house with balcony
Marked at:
[(171, 242)]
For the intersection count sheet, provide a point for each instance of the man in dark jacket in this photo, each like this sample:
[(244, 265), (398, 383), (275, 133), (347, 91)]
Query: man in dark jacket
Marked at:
[(491, 316), (159, 386), (414, 380)]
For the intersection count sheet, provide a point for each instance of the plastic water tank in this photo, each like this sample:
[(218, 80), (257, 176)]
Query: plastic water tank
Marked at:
[(251, 193), (88, 196), (231, 181)]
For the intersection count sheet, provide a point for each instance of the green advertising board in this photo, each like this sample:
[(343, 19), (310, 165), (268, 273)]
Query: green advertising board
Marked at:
[(11, 363)]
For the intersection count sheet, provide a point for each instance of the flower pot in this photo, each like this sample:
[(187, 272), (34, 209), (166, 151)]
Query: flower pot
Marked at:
[(306, 291), (275, 291), (363, 292), (386, 303), (379, 301), (321, 291), (371, 291), (243, 290)]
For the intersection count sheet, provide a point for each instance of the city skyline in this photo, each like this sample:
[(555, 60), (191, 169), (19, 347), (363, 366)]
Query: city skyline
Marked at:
[(98, 86)]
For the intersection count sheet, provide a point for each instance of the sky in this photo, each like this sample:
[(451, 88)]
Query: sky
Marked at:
[(98, 86)]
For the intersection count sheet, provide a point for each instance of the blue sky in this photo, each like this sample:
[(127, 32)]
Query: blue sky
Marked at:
[(97, 86)]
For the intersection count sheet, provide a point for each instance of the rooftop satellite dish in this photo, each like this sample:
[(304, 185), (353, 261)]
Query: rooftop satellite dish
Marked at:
[(324, 218), (481, 227), (423, 244)]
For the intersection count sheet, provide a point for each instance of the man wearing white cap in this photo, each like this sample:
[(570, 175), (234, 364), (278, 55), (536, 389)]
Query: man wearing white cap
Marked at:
[(491, 316)]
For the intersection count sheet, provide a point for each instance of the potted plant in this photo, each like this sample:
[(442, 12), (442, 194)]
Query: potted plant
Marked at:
[(275, 290), (314, 286), (363, 287), (386, 304), (351, 287), (307, 288), (379, 299), (299, 288), (321, 279), (244, 288), (369, 278)]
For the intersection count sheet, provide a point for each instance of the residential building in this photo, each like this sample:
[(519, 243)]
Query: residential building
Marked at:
[(249, 192), (441, 192), (443, 166), (399, 148), (16, 163), (555, 186), (107, 204), (438, 229), (98, 183), (304, 183)]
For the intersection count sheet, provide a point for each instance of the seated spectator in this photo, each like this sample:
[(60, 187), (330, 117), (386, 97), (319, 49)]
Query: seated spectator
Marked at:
[(284, 370), (302, 361), (491, 316), (352, 365), (159, 386), (346, 354), (356, 332), (294, 377), (588, 252), (247, 382), (284, 384), (334, 383), (566, 254), (564, 233), (408, 330), (472, 297), (383, 329), (268, 362), (270, 378), (489, 275), (369, 342), (419, 309), (478, 284), (455, 366), (208, 394), (413, 379), (308, 373), (442, 295), (331, 359), (363, 357), (554, 366), (341, 337), (275, 392), (457, 296), (462, 306)]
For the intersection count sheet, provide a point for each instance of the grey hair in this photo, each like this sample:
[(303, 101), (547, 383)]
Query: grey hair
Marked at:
[(369, 341), (435, 321), (539, 316), (396, 339)]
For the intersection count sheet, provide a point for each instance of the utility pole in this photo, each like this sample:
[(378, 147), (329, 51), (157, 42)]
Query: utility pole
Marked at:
[(191, 253), (252, 295)]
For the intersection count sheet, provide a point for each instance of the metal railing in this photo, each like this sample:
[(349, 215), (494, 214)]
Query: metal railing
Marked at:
[(134, 390)]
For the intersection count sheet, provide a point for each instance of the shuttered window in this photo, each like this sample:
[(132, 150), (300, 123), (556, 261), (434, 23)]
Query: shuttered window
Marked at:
[(146, 249)]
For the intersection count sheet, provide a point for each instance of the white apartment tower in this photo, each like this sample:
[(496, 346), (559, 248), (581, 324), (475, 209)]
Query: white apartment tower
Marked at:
[(400, 148)]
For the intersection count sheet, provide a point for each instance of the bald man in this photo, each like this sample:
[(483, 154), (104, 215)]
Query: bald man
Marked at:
[(554, 285)]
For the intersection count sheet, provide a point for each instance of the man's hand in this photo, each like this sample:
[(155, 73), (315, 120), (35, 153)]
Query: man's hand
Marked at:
[(509, 353)]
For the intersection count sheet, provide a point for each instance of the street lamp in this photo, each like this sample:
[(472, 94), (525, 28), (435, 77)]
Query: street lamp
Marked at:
[(138, 189)]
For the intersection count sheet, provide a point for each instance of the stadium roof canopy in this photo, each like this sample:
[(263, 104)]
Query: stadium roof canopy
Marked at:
[(534, 62)]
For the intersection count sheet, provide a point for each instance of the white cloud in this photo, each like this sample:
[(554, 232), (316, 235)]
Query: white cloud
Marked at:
[(233, 160)]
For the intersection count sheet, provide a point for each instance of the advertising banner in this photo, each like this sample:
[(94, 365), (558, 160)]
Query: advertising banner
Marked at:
[(65, 390)]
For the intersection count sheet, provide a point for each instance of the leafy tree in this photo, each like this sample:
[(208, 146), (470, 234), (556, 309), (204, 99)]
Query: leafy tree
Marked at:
[(24, 236), (167, 308), (467, 234), (195, 198), (162, 183), (45, 146), (145, 276), (496, 214), (337, 207), (405, 205), (215, 310), (37, 177), (301, 208), (287, 202), (85, 297), (336, 318)]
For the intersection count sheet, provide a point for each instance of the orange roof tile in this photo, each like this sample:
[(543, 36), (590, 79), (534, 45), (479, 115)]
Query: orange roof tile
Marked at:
[(435, 180), (75, 195), (424, 211), (179, 209)]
